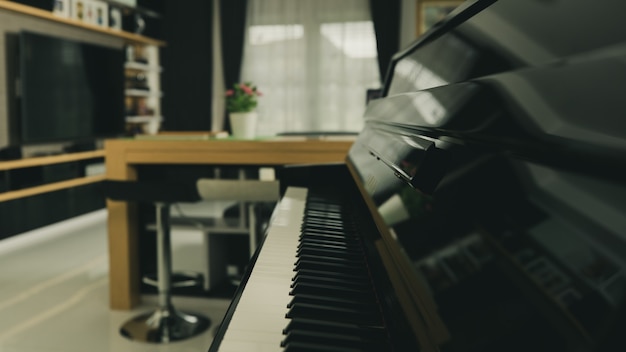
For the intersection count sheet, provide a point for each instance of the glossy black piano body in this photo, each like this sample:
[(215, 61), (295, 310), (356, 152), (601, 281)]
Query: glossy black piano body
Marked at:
[(489, 183)]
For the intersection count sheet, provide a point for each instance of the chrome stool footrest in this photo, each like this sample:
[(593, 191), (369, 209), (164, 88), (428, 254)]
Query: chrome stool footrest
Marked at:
[(164, 325), (178, 279)]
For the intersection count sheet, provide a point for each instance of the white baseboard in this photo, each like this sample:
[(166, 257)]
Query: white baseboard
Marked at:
[(48, 232)]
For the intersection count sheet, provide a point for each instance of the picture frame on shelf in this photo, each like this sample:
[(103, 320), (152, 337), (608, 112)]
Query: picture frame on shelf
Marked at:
[(430, 12), (101, 13), (115, 17), (90, 16), (62, 8), (78, 10), (93, 12)]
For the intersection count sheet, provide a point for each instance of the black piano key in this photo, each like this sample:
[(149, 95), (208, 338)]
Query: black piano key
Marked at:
[(331, 286), (349, 262), (328, 252), (330, 240), (313, 221), (320, 213), (366, 297), (358, 283), (324, 218), (324, 201), (362, 343), (376, 331), (330, 273), (329, 236), (332, 267), (323, 215), (349, 280), (356, 262), (339, 314), (327, 205), (332, 291), (362, 283), (366, 304), (331, 245), (322, 230), (316, 347)]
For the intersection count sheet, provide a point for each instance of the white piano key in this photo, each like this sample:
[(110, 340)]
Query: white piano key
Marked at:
[(248, 346), (259, 317)]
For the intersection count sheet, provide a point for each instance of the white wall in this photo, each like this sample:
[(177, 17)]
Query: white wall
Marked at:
[(408, 22)]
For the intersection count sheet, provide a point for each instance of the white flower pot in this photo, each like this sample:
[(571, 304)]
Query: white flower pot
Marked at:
[(243, 124)]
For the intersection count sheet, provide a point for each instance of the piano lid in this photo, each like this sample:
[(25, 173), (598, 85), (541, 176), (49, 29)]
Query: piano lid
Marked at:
[(567, 114), (490, 36)]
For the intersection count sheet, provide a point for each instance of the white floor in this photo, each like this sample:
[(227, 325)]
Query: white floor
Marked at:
[(54, 294)]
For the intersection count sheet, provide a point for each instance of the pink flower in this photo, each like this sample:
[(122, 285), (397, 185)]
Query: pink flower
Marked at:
[(242, 97), (258, 92), (246, 89)]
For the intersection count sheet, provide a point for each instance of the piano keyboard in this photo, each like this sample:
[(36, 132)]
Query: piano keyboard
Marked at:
[(309, 289)]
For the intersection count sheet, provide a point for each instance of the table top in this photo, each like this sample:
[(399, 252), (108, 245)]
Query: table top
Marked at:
[(170, 149)]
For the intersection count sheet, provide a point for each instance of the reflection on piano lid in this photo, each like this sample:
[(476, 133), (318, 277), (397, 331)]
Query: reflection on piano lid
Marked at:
[(556, 114), (419, 161), (485, 37), (486, 193)]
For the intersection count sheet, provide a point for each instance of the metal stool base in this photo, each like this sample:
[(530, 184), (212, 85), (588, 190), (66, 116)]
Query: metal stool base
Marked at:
[(164, 325)]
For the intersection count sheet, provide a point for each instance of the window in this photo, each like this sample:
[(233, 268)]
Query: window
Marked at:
[(313, 60)]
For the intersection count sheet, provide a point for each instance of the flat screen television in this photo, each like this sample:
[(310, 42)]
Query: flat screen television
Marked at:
[(70, 90)]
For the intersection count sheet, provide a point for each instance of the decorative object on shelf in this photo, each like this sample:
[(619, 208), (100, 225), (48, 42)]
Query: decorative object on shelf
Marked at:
[(101, 13), (62, 8), (241, 102), (78, 10), (95, 12), (115, 18), (152, 126)]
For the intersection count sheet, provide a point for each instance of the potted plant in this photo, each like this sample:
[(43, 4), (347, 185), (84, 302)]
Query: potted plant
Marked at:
[(241, 102)]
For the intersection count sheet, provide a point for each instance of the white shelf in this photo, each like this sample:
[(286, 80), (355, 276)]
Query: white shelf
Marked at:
[(142, 67), (143, 119), (49, 16), (142, 93), (145, 104)]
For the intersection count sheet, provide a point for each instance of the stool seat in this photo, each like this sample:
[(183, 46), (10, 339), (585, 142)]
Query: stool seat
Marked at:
[(151, 191)]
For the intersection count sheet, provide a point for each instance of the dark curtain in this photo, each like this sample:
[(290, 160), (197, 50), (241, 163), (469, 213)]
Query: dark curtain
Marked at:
[(187, 61), (386, 18), (233, 22)]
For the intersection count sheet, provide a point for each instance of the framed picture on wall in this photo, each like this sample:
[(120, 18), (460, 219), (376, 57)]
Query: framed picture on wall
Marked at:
[(430, 12)]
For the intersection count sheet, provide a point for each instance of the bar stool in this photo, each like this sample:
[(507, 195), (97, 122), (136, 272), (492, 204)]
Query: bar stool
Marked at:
[(166, 323), (247, 193)]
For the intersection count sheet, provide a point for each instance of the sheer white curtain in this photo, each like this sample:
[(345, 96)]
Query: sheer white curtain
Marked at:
[(313, 60)]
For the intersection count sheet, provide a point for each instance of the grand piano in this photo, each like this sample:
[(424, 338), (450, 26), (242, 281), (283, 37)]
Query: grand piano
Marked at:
[(481, 208)]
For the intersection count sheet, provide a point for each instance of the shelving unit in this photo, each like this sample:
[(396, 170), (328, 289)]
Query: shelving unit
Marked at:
[(145, 113), (40, 190), (143, 89), (12, 193), (130, 38)]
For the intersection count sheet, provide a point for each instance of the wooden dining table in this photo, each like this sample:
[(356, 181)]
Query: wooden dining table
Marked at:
[(123, 156)]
